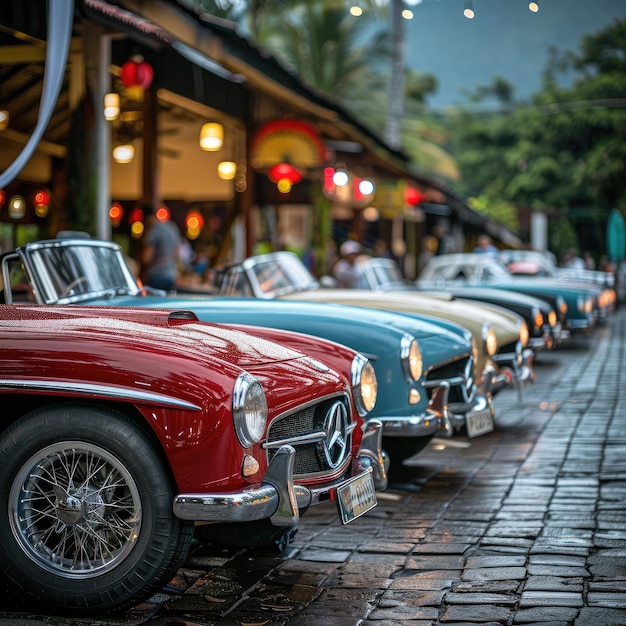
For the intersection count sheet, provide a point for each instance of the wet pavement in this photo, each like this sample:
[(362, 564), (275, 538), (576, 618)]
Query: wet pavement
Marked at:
[(525, 525)]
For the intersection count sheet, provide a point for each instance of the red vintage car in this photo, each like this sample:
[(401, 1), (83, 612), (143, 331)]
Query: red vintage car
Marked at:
[(122, 427)]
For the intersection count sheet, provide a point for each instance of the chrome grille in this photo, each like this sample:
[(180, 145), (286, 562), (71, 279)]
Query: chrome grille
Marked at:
[(460, 374), (315, 455)]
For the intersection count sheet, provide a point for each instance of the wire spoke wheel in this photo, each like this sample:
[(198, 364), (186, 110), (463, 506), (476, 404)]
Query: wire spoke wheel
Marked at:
[(75, 509)]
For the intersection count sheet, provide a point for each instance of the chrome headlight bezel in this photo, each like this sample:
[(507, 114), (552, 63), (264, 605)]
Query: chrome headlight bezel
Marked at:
[(411, 358), (490, 340), (364, 384), (249, 409)]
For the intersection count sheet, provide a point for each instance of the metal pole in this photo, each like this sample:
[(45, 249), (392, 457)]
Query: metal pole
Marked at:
[(395, 110), (103, 143)]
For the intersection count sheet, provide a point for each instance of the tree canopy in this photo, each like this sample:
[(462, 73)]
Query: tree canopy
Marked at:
[(565, 148)]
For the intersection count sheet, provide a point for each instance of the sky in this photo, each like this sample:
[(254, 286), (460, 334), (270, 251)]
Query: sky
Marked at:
[(504, 39)]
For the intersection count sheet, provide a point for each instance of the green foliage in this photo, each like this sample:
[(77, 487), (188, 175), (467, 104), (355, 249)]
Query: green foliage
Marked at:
[(566, 148), (491, 204)]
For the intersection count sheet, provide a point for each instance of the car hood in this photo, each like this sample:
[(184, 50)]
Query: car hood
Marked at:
[(545, 284), (472, 315), (497, 296), (367, 331), (143, 328)]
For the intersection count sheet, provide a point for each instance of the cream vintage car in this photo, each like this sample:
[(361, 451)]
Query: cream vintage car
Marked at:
[(500, 336)]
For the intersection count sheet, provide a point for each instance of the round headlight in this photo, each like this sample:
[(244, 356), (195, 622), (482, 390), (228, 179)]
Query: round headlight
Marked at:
[(411, 356), (562, 305), (364, 384), (524, 335), (490, 339), (538, 318), (552, 318), (249, 409)]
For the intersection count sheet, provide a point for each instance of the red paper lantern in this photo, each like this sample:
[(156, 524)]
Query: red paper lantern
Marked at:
[(136, 75), (283, 171), (194, 220), (414, 196), (116, 212), (284, 175), (42, 198), (136, 215)]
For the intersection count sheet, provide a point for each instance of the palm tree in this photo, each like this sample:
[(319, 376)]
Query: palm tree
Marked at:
[(349, 59)]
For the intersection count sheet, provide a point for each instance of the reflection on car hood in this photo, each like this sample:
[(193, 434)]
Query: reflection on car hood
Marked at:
[(504, 322), (149, 327), (362, 329)]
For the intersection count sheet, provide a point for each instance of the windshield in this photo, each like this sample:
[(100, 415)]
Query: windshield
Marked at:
[(68, 271), (277, 277), (267, 276), (376, 273)]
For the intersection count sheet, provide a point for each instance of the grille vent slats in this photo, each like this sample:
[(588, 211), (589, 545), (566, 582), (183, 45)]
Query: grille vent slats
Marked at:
[(310, 459), (461, 367)]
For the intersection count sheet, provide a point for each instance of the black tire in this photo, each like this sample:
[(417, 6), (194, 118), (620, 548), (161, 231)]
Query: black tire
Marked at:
[(86, 510), (399, 449)]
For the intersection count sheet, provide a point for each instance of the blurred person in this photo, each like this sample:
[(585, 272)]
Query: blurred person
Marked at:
[(572, 260), (485, 245), (159, 258), (344, 270), (429, 249), (381, 250), (590, 263)]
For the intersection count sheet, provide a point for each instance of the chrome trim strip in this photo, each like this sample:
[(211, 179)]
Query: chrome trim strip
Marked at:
[(91, 389)]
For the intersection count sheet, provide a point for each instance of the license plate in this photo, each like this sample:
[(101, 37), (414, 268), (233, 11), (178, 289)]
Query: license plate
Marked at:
[(356, 496), (479, 423)]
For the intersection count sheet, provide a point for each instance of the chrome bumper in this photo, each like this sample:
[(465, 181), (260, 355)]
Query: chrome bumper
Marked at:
[(453, 416), (277, 498), (421, 425), (515, 367), (274, 498)]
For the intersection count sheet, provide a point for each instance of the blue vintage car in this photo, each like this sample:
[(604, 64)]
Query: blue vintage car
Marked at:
[(542, 319), (583, 304), (424, 369)]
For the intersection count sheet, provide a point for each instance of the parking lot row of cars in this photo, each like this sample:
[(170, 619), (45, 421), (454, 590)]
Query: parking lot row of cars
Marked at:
[(133, 415)]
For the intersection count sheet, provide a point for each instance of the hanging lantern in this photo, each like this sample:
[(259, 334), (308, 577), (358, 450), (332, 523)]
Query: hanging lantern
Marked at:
[(194, 220), (4, 119), (413, 196), (136, 75), (226, 170), (41, 200), (123, 153), (116, 213), (136, 215), (111, 106), (211, 136), (163, 213), (17, 207), (194, 223), (285, 176)]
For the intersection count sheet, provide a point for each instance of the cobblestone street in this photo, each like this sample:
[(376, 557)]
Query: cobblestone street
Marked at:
[(525, 525)]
